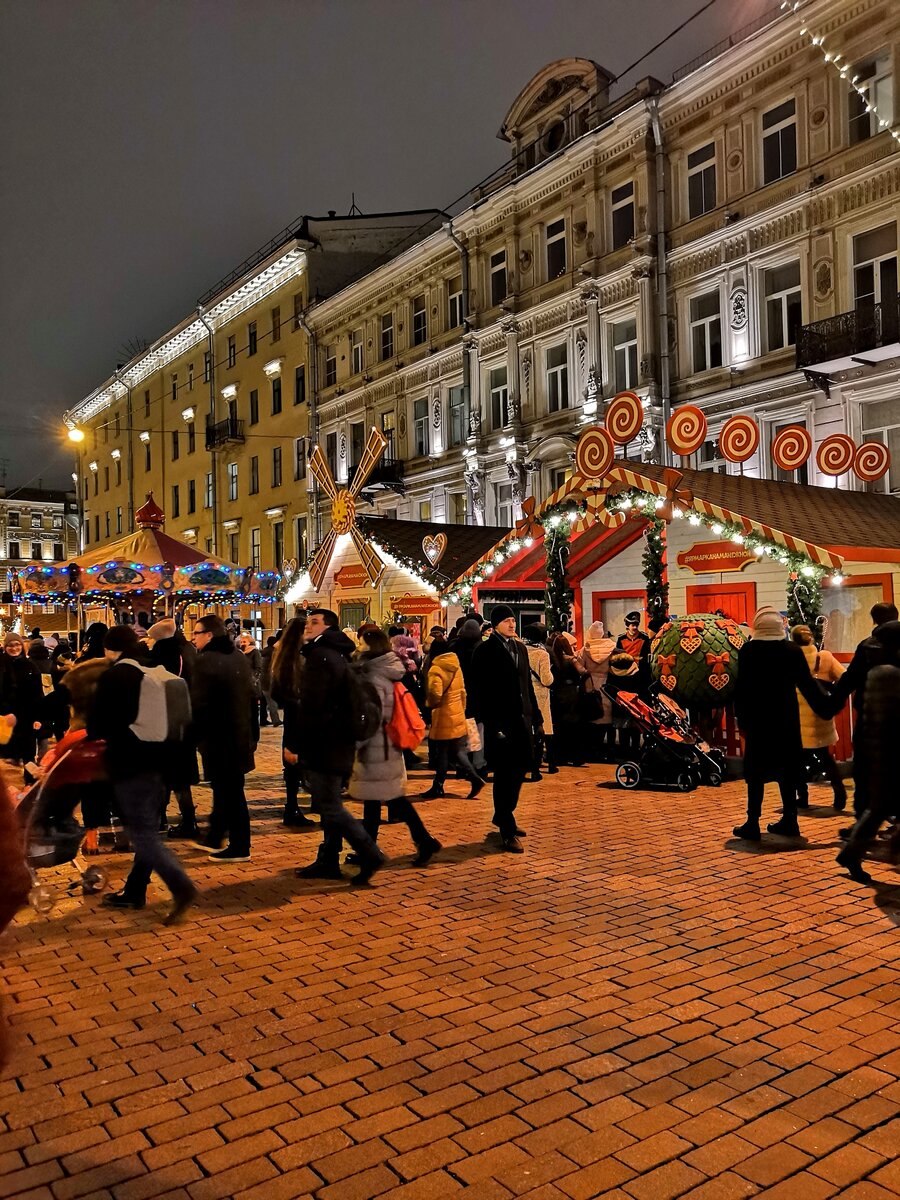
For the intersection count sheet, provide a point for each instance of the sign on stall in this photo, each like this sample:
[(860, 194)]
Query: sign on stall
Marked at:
[(708, 557)]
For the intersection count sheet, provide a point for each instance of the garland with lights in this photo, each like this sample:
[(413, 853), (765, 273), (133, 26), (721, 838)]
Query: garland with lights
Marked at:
[(654, 564), (558, 596)]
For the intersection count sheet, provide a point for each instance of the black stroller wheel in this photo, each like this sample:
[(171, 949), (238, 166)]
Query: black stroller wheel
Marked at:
[(714, 779), (628, 774), (686, 782)]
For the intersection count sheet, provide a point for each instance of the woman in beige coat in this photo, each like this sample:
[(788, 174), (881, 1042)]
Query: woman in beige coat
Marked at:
[(817, 733), (445, 695), (595, 656)]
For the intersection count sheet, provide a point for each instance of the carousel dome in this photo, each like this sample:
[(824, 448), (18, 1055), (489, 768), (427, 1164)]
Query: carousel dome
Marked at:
[(150, 515)]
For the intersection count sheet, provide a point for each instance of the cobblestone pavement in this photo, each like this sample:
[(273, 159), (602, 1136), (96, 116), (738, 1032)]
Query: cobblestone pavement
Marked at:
[(637, 1008)]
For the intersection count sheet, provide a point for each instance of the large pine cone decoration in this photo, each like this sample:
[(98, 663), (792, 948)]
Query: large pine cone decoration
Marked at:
[(695, 659)]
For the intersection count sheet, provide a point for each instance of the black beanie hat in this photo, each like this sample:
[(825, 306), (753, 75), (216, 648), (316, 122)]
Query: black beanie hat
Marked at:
[(123, 640), (500, 612)]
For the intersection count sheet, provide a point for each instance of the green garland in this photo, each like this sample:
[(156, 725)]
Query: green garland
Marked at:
[(558, 596), (653, 561)]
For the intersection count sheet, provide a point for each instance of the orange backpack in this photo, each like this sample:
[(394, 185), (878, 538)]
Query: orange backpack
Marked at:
[(406, 727)]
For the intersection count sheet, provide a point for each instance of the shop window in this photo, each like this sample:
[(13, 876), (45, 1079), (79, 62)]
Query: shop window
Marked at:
[(781, 286), (779, 141), (701, 178), (706, 332), (872, 110), (625, 355), (622, 200), (557, 378)]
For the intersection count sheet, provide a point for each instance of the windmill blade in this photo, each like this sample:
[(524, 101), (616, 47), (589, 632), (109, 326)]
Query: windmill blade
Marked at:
[(369, 557), (321, 559), (321, 472), (376, 444)]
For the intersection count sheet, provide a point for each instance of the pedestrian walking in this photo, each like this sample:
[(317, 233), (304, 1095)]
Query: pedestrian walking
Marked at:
[(221, 696), (565, 701), (46, 713), (268, 709), (92, 645), (466, 642), (168, 647), (771, 671), (508, 710), (598, 649), (379, 772), (248, 648), (325, 746), (135, 768), (818, 734), (22, 697), (881, 720), (868, 654), (541, 680), (287, 665), (445, 696)]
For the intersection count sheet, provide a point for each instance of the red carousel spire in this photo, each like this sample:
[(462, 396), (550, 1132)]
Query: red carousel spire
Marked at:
[(150, 515)]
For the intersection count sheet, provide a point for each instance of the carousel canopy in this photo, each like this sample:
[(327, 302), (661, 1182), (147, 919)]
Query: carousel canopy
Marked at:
[(147, 560)]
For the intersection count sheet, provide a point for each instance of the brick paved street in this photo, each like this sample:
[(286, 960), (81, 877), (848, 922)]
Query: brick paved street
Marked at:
[(636, 1008)]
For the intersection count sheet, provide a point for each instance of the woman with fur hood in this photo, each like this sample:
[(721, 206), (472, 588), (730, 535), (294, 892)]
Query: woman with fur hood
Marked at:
[(445, 695), (597, 651), (379, 771), (818, 734)]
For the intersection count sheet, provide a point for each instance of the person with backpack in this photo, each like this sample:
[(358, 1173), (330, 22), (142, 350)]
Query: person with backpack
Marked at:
[(379, 772), (445, 695), (221, 696), (168, 648), (337, 709), (129, 712)]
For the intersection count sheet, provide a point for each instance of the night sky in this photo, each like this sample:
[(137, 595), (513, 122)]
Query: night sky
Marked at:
[(147, 148)]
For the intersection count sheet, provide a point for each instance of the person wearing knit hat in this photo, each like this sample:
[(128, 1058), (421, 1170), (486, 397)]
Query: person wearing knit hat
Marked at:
[(135, 767), (599, 647), (22, 698), (464, 647), (770, 673), (506, 706), (541, 680), (162, 630)]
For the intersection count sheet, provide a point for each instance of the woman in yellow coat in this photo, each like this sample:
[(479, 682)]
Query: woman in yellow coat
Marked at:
[(817, 732), (445, 695)]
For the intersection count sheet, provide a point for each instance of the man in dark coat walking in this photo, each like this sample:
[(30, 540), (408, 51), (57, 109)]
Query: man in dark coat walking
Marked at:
[(221, 696), (325, 745), (868, 654), (507, 708), (876, 736), (770, 672)]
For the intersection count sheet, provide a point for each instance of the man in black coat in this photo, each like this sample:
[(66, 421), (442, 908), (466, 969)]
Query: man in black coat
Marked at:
[(324, 743), (868, 654), (136, 771), (221, 697), (506, 706), (876, 736)]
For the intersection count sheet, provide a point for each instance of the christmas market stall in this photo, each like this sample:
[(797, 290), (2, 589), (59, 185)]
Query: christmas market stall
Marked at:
[(146, 575), (377, 568)]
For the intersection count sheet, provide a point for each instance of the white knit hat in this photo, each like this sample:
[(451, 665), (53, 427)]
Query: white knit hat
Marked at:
[(767, 626)]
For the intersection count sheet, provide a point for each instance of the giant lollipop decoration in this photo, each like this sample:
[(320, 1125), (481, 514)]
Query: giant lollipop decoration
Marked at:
[(872, 461), (686, 429), (624, 417), (791, 447), (594, 453), (836, 455), (739, 439)]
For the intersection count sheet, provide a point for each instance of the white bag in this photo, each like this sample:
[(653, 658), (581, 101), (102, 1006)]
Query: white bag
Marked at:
[(473, 737)]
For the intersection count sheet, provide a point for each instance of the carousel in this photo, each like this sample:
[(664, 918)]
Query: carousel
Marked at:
[(144, 576)]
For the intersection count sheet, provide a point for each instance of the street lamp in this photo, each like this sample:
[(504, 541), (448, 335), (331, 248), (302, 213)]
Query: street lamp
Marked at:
[(75, 434)]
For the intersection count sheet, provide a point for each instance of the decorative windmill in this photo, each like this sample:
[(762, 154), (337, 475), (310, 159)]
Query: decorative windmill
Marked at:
[(343, 509)]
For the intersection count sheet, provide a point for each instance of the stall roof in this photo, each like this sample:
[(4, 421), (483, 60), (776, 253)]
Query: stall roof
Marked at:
[(404, 540)]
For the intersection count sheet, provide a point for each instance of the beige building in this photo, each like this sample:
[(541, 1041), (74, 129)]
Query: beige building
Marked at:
[(36, 526), (213, 418)]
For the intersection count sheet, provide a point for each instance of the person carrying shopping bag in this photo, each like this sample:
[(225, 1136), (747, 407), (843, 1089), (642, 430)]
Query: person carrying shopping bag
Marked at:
[(445, 695)]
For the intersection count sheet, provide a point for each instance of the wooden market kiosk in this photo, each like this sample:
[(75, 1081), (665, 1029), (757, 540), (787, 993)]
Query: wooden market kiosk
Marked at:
[(732, 544)]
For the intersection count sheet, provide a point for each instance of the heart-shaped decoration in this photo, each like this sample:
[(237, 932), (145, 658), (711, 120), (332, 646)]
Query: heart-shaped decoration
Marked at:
[(434, 546), (288, 568), (719, 681), (689, 643), (668, 682)]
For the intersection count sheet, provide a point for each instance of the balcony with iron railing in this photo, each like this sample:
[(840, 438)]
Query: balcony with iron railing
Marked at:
[(844, 340), (386, 475), (224, 433)]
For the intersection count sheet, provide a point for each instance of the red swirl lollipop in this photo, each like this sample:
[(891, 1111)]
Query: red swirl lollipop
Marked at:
[(836, 454), (739, 438), (624, 417), (686, 429), (872, 461), (594, 453), (791, 447)]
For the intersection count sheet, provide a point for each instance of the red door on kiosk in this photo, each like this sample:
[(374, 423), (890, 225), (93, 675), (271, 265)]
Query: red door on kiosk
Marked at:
[(735, 600)]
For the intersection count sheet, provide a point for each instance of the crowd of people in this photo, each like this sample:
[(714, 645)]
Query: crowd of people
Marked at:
[(354, 708)]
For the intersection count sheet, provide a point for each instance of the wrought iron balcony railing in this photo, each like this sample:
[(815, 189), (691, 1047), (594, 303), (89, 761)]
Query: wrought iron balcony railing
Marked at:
[(224, 433), (849, 334), (386, 475)]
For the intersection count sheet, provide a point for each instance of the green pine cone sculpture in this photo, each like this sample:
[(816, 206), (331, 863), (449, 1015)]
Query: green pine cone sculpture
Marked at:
[(695, 659)]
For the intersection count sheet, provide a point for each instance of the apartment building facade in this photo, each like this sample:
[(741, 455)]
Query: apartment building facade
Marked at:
[(678, 243), (36, 525)]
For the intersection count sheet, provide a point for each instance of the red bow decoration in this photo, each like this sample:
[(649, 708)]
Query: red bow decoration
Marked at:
[(728, 625), (671, 479), (691, 626), (666, 663), (529, 525), (718, 662)]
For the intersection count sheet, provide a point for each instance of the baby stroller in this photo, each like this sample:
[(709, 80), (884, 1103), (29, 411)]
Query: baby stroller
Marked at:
[(50, 832), (710, 759), (667, 758)]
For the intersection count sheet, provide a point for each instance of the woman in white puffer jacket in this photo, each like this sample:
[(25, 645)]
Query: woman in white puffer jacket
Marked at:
[(595, 656)]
